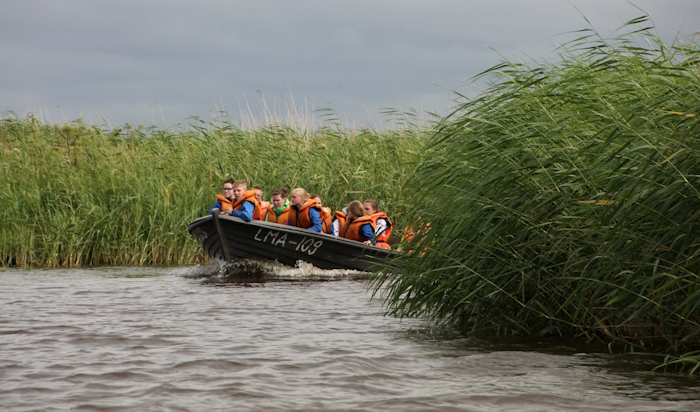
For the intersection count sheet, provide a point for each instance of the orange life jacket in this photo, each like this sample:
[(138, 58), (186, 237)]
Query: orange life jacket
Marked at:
[(249, 196), (410, 233), (326, 219), (281, 219), (225, 203), (340, 217), (352, 230), (381, 239), (300, 218), (264, 206)]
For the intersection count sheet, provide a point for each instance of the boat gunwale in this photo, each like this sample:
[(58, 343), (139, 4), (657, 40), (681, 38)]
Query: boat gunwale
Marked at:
[(305, 232)]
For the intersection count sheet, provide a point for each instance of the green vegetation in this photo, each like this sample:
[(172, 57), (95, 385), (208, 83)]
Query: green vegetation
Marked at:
[(565, 200), (562, 200), (79, 195)]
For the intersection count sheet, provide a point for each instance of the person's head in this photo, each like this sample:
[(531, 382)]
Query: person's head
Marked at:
[(239, 189), (279, 196), (258, 193), (355, 210), (370, 207), (317, 198), (228, 189), (298, 196)]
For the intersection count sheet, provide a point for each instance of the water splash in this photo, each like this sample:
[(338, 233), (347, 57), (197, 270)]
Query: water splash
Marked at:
[(250, 270)]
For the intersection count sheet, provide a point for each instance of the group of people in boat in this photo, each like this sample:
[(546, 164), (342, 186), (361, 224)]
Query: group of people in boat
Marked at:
[(359, 221)]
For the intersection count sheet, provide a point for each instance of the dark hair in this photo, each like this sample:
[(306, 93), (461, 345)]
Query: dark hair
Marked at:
[(280, 191), (372, 203), (314, 196), (356, 208), (257, 188), (229, 181)]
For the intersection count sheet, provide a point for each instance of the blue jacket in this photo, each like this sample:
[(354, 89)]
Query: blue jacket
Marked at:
[(315, 221), (217, 205), (366, 231), (246, 212)]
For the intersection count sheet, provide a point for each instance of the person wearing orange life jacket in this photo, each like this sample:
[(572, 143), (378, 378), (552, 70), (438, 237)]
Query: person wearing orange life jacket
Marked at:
[(263, 204), (224, 200), (383, 225), (304, 212), (357, 226), (244, 204), (338, 221), (411, 232), (326, 217), (279, 211)]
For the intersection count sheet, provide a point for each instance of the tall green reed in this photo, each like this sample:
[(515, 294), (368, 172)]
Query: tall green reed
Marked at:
[(81, 195), (565, 199)]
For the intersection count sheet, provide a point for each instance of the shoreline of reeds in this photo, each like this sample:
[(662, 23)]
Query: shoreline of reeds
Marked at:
[(79, 195), (565, 201)]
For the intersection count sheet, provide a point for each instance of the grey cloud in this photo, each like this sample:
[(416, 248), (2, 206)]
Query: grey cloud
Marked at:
[(120, 57)]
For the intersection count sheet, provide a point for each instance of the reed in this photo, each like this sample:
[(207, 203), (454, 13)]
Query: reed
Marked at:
[(79, 195), (565, 200)]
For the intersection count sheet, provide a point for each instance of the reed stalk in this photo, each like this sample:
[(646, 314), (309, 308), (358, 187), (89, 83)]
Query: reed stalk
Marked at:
[(565, 200)]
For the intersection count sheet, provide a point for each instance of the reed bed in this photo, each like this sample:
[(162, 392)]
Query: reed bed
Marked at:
[(565, 200), (76, 195)]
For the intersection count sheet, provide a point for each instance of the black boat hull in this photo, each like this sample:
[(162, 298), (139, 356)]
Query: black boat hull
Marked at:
[(225, 237)]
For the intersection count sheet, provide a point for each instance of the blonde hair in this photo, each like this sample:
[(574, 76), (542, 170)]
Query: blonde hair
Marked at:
[(240, 183), (300, 192)]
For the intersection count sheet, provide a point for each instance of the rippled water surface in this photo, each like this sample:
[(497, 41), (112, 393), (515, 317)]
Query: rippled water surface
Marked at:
[(156, 339)]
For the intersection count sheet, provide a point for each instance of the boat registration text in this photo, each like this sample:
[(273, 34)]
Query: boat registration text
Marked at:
[(275, 238)]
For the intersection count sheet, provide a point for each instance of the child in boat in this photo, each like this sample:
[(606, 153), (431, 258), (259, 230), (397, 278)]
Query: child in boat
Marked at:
[(304, 212), (224, 200), (383, 225), (244, 204), (338, 221), (279, 211), (357, 226), (418, 228), (263, 204), (326, 218)]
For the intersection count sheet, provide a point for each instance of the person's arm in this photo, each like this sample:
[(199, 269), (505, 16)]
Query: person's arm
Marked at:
[(217, 205), (246, 212), (366, 231), (316, 222)]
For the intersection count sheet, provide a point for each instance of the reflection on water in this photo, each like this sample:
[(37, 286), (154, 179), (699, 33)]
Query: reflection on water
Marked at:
[(183, 339)]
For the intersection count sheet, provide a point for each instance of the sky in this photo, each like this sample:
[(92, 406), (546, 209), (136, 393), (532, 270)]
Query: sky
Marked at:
[(162, 62)]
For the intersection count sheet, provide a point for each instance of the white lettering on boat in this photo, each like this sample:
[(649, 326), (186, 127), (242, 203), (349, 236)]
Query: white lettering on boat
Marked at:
[(281, 240), (306, 245)]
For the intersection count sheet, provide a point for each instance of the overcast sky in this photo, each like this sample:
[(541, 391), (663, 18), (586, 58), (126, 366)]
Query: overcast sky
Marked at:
[(160, 62)]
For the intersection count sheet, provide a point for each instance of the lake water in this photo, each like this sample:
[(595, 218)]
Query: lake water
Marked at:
[(132, 339)]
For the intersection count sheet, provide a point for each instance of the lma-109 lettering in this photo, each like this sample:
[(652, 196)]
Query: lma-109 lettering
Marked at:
[(306, 245)]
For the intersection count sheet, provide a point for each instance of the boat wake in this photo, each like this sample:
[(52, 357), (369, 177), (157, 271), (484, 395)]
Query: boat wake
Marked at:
[(255, 271)]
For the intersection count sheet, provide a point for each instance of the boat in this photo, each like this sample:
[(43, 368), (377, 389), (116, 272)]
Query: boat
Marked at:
[(228, 238)]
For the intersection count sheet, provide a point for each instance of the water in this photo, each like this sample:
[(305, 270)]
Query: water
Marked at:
[(158, 339)]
